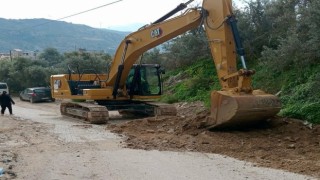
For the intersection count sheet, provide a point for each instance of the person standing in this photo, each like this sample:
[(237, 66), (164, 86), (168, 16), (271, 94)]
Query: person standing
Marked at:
[(6, 102)]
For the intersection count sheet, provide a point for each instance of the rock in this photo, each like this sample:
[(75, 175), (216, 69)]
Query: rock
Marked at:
[(150, 131), (170, 131), (292, 146)]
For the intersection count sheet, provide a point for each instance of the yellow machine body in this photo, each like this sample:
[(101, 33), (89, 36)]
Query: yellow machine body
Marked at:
[(237, 103)]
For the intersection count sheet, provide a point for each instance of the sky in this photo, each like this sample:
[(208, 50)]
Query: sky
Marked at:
[(114, 14)]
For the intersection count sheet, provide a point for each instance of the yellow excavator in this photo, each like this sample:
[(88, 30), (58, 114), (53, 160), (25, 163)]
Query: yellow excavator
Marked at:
[(132, 88)]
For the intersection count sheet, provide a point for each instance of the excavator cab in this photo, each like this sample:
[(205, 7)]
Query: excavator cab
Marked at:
[(144, 80)]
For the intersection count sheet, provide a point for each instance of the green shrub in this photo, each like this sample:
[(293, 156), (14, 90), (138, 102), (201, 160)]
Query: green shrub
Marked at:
[(169, 99), (198, 82), (306, 111), (311, 112)]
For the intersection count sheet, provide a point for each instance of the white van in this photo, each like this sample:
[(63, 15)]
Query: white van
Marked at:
[(3, 87)]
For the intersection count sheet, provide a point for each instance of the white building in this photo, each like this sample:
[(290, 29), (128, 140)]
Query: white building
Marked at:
[(15, 53)]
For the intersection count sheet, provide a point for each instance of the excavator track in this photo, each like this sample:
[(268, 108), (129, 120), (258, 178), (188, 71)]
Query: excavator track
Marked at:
[(93, 113)]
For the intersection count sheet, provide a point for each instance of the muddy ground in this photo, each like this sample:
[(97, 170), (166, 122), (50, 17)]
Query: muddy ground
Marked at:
[(38, 143), (279, 143)]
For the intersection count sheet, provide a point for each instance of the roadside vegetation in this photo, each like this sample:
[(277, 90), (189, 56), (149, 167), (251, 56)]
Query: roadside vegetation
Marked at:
[(282, 42)]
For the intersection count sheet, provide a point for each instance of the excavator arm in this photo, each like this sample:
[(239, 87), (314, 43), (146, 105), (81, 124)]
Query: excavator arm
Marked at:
[(237, 104)]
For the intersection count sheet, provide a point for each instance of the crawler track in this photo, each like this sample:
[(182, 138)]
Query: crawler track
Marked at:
[(93, 113)]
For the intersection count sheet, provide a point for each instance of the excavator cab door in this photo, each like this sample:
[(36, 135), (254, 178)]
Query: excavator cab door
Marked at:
[(144, 80)]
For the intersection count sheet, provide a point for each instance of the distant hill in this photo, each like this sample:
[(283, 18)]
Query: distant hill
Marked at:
[(129, 27), (39, 34)]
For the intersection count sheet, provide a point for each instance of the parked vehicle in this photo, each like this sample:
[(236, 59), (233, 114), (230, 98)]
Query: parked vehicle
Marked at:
[(36, 94), (4, 87)]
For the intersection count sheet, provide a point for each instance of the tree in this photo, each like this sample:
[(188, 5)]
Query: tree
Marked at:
[(86, 62), (5, 67), (152, 56), (186, 49), (52, 56)]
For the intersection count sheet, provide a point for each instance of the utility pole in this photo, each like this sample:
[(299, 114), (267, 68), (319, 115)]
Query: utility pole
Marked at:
[(10, 55)]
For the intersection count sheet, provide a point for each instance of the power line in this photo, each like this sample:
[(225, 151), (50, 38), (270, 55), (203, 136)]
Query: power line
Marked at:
[(89, 10), (78, 13)]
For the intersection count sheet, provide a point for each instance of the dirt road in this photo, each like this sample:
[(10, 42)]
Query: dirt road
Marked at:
[(38, 143)]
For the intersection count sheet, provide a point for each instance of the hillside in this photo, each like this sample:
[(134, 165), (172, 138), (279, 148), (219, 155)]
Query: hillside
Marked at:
[(39, 34)]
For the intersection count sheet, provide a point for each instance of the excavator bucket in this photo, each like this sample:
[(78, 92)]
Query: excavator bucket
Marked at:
[(230, 109)]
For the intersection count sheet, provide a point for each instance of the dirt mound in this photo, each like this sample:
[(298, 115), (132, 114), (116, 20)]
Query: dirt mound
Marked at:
[(280, 143)]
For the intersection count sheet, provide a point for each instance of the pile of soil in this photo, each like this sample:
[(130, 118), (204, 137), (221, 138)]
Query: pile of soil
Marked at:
[(280, 143)]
